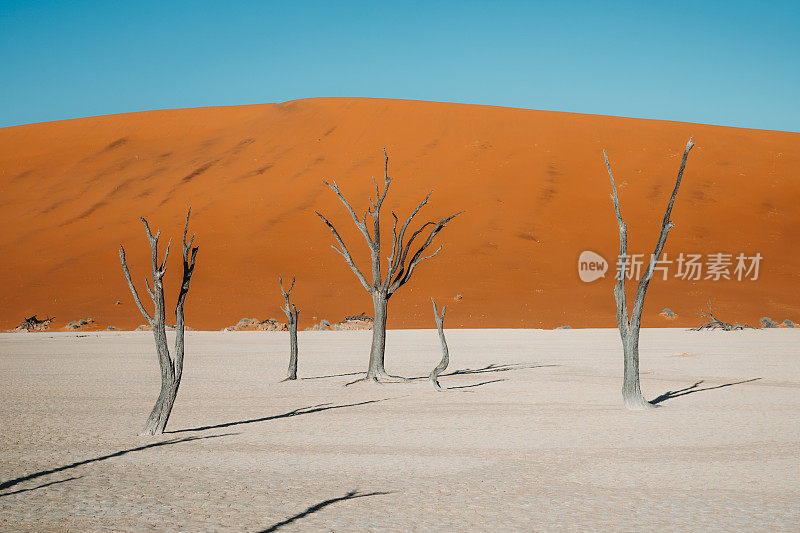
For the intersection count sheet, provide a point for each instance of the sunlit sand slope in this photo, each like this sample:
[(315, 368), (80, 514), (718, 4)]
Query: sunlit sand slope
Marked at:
[(532, 184)]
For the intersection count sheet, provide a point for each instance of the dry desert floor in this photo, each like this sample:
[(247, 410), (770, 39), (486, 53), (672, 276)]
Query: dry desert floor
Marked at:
[(531, 434)]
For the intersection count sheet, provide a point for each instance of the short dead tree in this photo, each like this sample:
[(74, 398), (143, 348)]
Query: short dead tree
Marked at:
[(715, 323), (434, 377), (33, 323), (171, 367), (629, 328), (291, 316), (401, 262)]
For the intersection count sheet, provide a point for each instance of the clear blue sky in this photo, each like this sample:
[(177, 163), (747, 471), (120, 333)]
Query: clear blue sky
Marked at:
[(731, 63)]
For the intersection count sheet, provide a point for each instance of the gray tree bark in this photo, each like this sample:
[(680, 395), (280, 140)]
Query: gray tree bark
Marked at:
[(400, 265), (629, 328), (291, 317), (171, 368), (434, 377)]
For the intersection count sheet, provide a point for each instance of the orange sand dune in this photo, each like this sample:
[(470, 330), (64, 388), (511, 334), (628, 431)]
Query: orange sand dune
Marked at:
[(532, 183)]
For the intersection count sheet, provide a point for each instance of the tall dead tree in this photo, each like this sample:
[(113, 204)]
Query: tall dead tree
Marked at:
[(401, 262), (434, 377), (629, 328), (171, 367), (291, 317)]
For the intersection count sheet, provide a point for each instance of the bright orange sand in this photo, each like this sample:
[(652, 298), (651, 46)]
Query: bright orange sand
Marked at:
[(532, 184)]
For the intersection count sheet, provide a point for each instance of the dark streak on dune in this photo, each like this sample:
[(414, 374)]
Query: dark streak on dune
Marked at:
[(528, 237), (308, 167), (252, 173), (116, 144), (117, 167), (86, 213), (307, 204), (196, 172), (22, 175), (122, 186), (53, 206)]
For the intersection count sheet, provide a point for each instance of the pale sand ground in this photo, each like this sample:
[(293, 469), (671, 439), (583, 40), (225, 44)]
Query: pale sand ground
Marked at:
[(543, 444)]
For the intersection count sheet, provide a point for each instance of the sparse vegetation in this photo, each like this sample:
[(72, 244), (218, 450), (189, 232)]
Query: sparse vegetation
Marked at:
[(715, 323), (33, 323)]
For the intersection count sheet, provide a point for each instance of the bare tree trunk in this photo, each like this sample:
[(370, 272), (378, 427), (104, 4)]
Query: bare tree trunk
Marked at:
[(376, 369), (292, 351), (631, 390), (629, 329), (157, 421), (171, 368), (434, 377), (291, 317)]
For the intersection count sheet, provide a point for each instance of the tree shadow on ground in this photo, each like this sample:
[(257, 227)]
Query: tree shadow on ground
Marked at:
[(295, 412), (475, 384), (692, 389), (43, 485), (321, 505), (334, 375), (495, 367), (12, 482)]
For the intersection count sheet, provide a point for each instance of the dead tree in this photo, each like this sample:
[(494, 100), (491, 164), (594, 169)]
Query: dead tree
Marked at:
[(33, 323), (715, 323), (171, 367), (291, 317), (434, 377), (629, 328), (401, 262)]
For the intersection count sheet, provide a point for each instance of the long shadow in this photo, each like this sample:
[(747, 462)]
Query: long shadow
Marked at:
[(39, 486), (475, 384), (321, 505), (692, 389), (334, 375), (487, 369), (295, 412), (12, 482)]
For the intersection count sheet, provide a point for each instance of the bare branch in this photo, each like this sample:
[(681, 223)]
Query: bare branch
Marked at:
[(345, 253), (131, 286), (619, 289), (285, 292), (163, 268), (149, 290), (362, 226), (666, 225), (401, 278), (399, 254), (387, 180)]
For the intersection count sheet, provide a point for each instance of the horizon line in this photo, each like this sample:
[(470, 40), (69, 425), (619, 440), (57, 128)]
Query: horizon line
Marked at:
[(395, 100)]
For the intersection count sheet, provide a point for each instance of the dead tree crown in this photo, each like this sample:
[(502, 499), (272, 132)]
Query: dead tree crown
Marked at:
[(400, 265)]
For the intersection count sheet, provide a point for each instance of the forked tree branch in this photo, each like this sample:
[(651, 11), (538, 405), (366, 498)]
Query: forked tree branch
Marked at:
[(666, 225), (131, 285), (344, 252), (399, 267), (404, 273)]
